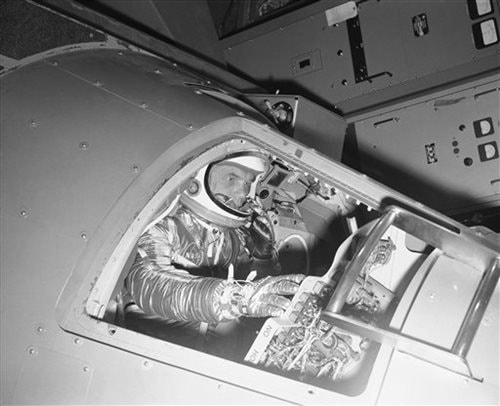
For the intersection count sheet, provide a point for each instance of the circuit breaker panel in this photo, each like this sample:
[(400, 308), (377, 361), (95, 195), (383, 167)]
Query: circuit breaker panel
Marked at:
[(355, 55), (442, 149)]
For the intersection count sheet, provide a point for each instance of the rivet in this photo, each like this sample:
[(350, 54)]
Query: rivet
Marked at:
[(23, 213), (84, 145), (84, 236), (240, 113), (98, 83), (40, 329), (197, 91), (111, 331), (144, 105), (86, 368), (190, 126), (221, 387), (432, 296), (340, 52), (91, 35), (55, 63), (174, 65), (157, 71), (120, 53), (32, 351), (344, 82), (77, 341), (33, 124), (146, 364), (135, 168), (486, 321)]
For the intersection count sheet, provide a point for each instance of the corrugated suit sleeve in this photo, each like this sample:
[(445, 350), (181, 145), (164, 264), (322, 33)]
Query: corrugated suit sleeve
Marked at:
[(160, 289)]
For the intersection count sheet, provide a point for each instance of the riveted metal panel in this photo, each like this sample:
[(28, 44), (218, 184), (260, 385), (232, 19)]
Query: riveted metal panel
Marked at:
[(69, 148), (45, 383), (116, 73)]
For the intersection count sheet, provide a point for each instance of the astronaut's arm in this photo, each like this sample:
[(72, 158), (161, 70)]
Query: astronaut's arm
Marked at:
[(176, 295), (173, 294), (162, 289), (180, 296)]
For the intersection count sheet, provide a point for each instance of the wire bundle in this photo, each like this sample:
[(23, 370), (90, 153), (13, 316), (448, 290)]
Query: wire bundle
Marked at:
[(313, 347)]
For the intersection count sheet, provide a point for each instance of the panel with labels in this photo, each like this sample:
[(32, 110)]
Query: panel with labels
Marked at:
[(441, 150), (356, 55)]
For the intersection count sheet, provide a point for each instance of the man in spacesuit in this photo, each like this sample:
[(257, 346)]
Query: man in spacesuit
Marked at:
[(211, 259)]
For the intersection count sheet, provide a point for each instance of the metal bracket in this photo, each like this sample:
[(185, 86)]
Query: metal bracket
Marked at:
[(358, 53), (450, 242)]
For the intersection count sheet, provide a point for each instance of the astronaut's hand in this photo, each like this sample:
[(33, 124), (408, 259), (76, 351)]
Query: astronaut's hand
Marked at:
[(266, 297)]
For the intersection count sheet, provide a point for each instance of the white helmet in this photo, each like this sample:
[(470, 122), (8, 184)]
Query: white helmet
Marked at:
[(199, 198)]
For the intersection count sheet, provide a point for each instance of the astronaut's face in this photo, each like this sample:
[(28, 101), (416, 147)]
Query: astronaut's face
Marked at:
[(230, 184)]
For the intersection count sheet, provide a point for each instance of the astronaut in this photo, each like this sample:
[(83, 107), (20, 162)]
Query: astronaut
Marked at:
[(212, 259)]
